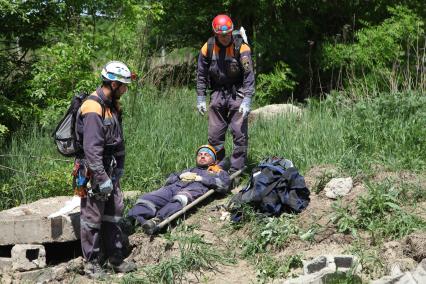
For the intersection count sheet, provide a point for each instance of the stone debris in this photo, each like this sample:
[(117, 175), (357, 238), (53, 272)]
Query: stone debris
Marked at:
[(28, 227), (28, 257), (338, 187), (5, 264), (29, 223), (416, 276), (270, 111), (317, 269), (54, 274)]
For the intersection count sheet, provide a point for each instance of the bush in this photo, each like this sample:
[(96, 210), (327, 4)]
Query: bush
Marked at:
[(276, 86), (62, 70), (381, 58)]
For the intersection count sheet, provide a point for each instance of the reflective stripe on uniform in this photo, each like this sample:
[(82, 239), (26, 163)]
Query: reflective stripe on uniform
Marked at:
[(183, 199), (89, 225), (111, 219), (147, 203)]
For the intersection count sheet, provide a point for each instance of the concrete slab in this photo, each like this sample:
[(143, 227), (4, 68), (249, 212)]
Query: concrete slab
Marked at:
[(28, 223), (341, 263), (28, 257), (5, 264)]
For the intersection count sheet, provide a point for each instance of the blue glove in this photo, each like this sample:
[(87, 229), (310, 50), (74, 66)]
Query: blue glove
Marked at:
[(106, 187), (245, 106), (201, 104)]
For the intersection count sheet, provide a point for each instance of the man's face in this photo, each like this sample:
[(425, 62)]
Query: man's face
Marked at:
[(224, 39), (119, 88), (204, 159)]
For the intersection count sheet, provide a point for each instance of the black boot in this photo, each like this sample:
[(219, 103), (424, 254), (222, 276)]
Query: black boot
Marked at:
[(94, 270), (150, 226), (124, 267), (127, 225)]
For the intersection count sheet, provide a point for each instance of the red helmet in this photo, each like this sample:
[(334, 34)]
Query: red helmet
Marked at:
[(222, 24)]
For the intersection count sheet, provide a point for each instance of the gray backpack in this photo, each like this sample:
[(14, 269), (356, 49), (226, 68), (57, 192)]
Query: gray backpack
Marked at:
[(64, 134)]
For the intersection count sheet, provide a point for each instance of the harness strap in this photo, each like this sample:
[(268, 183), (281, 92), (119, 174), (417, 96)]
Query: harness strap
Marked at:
[(100, 101), (212, 41)]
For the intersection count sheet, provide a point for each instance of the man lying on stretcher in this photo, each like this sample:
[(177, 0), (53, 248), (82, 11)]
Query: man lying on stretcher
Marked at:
[(181, 189)]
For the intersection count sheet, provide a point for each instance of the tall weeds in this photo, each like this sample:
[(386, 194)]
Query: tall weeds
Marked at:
[(163, 129)]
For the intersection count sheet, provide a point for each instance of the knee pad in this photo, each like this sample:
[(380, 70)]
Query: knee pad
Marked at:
[(183, 199)]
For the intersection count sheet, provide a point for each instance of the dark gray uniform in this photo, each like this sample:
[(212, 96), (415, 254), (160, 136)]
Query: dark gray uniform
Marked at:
[(231, 79), (103, 145), (176, 194)]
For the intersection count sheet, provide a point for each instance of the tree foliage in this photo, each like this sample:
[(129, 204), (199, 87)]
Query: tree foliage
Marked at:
[(50, 49), (380, 51)]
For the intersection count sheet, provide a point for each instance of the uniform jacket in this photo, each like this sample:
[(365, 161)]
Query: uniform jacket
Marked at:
[(101, 138), (218, 181), (219, 72)]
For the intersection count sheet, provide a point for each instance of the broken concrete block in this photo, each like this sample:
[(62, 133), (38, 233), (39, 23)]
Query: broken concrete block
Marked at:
[(40, 276), (420, 272), (344, 262), (315, 278), (333, 263), (338, 187), (29, 223), (315, 265), (415, 276), (5, 263), (28, 257), (271, 111), (407, 278)]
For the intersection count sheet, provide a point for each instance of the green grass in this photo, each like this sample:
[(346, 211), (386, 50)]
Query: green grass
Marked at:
[(269, 267), (380, 212), (163, 129), (195, 256)]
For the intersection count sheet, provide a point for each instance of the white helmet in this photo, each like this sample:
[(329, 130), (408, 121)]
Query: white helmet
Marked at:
[(117, 71)]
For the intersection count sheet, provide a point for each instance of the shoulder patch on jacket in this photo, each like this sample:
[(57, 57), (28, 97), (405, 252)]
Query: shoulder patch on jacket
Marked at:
[(245, 61), (91, 106)]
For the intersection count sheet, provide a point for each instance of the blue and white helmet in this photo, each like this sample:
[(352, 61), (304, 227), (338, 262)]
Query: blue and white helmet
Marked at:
[(117, 71)]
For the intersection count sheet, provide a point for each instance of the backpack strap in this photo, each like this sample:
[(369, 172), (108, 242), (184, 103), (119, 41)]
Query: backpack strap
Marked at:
[(210, 47), (238, 41), (100, 101)]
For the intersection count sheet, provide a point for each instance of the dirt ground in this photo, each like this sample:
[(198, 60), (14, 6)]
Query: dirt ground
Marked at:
[(208, 222)]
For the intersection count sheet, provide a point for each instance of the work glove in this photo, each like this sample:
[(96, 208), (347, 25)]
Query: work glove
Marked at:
[(188, 176), (201, 104), (245, 106), (106, 187)]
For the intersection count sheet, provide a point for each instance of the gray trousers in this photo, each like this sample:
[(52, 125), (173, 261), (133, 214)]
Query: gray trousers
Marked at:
[(99, 227), (223, 112)]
